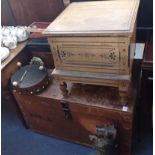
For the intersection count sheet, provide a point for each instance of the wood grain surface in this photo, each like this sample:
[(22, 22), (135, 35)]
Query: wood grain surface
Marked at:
[(89, 106), (95, 18), (21, 12)]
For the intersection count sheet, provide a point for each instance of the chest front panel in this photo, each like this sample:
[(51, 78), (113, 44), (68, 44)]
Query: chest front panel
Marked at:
[(105, 55)]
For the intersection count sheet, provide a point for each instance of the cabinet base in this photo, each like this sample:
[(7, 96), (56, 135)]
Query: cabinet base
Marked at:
[(121, 82)]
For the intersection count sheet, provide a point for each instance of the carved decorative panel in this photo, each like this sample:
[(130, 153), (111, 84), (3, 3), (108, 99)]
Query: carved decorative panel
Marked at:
[(92, 56)]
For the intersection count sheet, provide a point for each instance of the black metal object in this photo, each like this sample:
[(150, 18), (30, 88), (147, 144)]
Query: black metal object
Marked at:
[(66, 110)]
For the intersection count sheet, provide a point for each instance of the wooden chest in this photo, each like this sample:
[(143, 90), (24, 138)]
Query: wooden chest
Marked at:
[(78, 116), (93, 43)]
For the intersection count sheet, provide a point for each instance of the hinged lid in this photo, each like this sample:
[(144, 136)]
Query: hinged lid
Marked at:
[(97, 18)]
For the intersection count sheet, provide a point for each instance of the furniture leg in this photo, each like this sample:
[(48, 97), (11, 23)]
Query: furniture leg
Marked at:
[(123, 97), (63, 88), (123, 92)]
